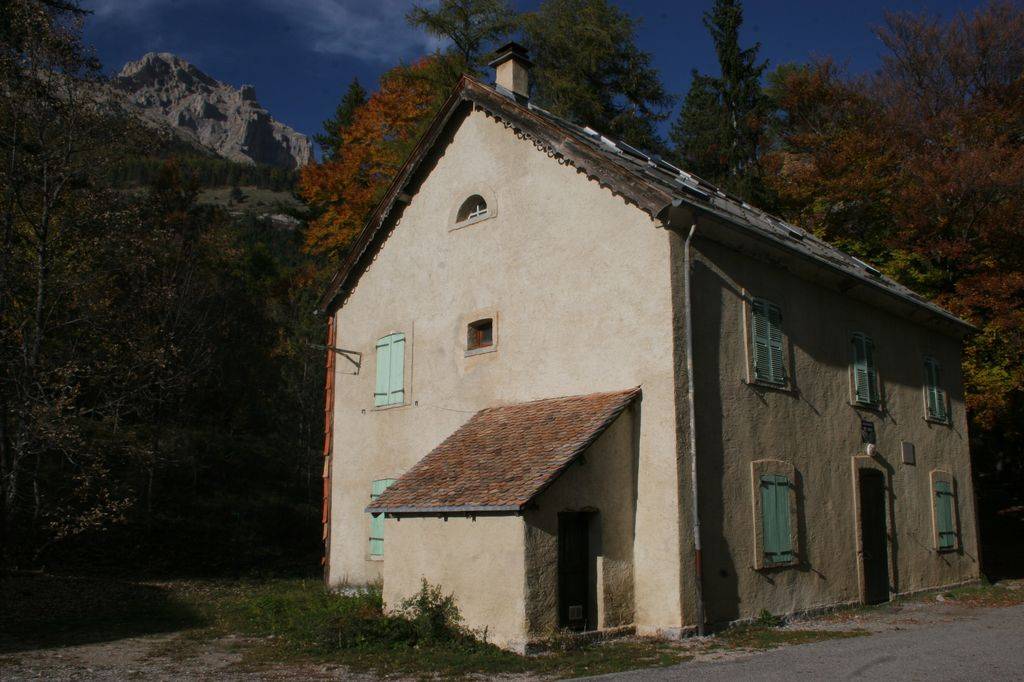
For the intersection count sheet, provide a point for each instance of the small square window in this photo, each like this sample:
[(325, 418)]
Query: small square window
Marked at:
[(480, 334)]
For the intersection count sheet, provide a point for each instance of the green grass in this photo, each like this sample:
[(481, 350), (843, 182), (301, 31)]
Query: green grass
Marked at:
[(253, 199), (299, 620), (286, 621), (983, 595), (295, 621), (768, 637)]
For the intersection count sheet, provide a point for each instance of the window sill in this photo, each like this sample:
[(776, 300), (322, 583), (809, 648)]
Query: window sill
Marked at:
[(775, 566), (471, 221), (374, 557), (938, 422), (384, 408), (481, 351), (877, 408), (778, 388)]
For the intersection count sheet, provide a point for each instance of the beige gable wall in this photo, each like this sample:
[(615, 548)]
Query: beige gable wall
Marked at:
[(579, 284), (816, 429)]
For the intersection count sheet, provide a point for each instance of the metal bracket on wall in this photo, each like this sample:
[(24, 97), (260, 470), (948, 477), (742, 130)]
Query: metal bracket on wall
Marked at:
[(353, 356)]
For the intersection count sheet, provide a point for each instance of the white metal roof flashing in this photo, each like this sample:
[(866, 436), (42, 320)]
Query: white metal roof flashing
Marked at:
[(869, 268)]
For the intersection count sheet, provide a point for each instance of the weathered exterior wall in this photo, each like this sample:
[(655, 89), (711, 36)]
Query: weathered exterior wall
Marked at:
[(577, 281), (815, 428), (479, 560), (602, 481), (585, 294)]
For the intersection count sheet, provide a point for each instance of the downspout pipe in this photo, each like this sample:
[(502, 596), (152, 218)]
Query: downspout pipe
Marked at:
[(694, 486)]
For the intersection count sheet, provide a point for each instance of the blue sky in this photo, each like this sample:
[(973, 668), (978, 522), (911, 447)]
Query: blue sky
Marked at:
[(300, 54)]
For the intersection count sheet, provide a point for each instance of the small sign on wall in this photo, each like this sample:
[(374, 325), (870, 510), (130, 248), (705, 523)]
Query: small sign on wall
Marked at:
[(867, 431), (907, 452)]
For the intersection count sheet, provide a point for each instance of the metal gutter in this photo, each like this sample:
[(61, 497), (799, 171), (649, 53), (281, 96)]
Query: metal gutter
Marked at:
[(698, 564), (325, 519)]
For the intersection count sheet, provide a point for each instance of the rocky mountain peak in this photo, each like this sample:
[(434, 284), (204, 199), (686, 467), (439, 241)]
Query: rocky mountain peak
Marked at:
[(229, 121)]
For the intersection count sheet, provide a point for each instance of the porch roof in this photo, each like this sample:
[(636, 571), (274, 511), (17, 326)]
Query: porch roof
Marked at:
[(503, 457)]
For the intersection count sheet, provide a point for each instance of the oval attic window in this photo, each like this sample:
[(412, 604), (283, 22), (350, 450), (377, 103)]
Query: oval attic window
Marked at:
[(474, 208)]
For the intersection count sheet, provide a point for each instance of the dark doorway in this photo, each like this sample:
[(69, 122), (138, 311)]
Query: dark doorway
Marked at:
[(874, 550), (573, 570)]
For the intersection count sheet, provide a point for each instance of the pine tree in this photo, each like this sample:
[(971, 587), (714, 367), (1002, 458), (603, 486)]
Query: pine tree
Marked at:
[(474, 27), (330, 139), (345, 189), (589, 69), (720, 130)]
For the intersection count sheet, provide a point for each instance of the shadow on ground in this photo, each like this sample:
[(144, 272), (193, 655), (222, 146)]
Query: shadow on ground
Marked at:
[(41, 611)]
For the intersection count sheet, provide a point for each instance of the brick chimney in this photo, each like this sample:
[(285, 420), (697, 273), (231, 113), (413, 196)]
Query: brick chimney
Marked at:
[(512, 70)]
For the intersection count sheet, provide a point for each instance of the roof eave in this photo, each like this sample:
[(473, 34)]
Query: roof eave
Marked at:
[(413, 510), (930, 308)]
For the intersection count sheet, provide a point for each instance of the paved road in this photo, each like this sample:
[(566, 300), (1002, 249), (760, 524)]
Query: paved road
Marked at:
[(987, 647)]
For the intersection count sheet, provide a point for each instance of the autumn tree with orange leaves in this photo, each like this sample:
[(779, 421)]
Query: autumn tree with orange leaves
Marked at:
[(920, 170), (346, 188)]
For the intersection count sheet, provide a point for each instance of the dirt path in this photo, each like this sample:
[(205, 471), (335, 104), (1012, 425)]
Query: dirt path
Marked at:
[(174, 656)]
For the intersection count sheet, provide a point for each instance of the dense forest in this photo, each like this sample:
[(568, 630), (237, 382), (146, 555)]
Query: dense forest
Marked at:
[(159, 390), (160, 366)]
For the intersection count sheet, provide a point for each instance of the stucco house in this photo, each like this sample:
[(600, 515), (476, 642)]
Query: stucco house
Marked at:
[(578, 387)]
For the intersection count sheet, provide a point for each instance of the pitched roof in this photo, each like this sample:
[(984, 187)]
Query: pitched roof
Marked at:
[(643, 180), (503, 457)]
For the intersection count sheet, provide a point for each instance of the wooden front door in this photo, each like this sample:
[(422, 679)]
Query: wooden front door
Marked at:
[(573, 571), (874, 549)]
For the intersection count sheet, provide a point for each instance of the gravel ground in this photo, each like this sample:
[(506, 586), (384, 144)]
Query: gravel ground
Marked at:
[(176, 656), (985, 644)]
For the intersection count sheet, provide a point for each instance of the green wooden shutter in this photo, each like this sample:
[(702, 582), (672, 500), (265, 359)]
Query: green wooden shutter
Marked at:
[(390, 385), (762, 359), (944, 515), (776, 534), (767, 341), (380, 392), (396, 385), (377, 520), (865, 376), (935, 397), (775, 343)]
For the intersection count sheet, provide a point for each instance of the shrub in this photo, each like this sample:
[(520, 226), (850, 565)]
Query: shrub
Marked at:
[(359, 621), (434, 616)]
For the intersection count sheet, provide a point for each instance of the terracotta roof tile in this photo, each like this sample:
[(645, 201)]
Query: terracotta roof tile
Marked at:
[(503, 456)]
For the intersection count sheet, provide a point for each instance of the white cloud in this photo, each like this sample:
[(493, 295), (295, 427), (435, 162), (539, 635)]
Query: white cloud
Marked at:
[(374, 30), (127, 10)]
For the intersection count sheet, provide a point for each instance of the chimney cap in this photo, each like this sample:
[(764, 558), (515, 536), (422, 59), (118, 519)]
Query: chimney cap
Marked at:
[(511, 50)]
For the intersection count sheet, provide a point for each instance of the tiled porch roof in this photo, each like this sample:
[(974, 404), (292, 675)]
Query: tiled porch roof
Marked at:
[(503, 457)]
